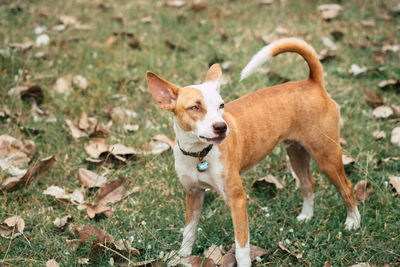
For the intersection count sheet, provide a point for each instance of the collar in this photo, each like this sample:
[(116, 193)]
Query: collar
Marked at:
[(200, 154)]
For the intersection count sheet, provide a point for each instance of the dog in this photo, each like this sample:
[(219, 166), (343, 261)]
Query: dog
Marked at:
[(217, 142)]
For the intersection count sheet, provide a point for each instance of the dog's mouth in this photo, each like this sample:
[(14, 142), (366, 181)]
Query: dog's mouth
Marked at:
[(215, 140)]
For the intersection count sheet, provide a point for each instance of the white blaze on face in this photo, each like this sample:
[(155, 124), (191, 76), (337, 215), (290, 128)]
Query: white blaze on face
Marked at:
[(213, 101)]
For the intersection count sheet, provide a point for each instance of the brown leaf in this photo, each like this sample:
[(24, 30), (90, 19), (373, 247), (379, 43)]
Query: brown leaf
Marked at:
[(373, 98), (214, 253), (163, 138), (90, 179), (395, 182), (124, 245), (265, 2), (39, 168), (75, 131), (326, 54), (363, 189), (62, 222), (28, 92), (22, 46), (52, 263), (347, 159), (196, 261), (395, 136), (96, 147), (362, 264), (382, 112), (92, 211), (390, 84), (80, 82), (57, 192), (197, 5), (328, 263), (379, 134), (267, 181), (329, 11), (111, 192), (12, 227)]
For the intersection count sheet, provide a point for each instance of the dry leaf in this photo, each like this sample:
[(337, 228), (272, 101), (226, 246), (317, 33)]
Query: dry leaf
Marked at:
[(382, 112), (22, 46), (61, 222), (196, 261), (78, 195), (373, 98), (124, 245), (75, 131), (363, 189), (29, 92), (96, 147), (227, 65), (197, 5), (388, 84), (131, 128), (328, 263), (12, 227), (67, 20), (63, 84), (175, 3), (90, 179), (347, 159), (52, 263), (395, 182), (379, 134), (83, 261), (390, 48), (362, 264), (395, 136), (329, 11), (163, 138), (57, 192), (214, 253), (368, 23), (326, 54), (92, 211), (265, 2), (267, 181), (18, 153), (42, 40), (111, 192), (328, 43), (40, 167)]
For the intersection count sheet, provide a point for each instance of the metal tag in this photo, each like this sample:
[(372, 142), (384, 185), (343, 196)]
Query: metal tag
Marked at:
[(202, 165)]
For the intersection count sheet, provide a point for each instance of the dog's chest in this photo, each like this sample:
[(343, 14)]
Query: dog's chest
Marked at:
[(192, 179)]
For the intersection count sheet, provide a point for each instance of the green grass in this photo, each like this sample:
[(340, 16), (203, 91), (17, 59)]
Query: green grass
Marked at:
[(119, 69)]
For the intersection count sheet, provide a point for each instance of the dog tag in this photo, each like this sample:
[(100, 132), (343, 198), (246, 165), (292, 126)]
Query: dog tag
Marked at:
[(202, 165)]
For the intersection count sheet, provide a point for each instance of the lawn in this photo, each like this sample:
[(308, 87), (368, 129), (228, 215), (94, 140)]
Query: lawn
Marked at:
[(112, 44)]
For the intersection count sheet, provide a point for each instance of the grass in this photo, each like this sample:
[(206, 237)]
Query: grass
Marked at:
[(119, 69)]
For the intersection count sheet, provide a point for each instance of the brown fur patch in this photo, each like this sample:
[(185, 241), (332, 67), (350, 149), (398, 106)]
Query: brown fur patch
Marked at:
[(187, 118)]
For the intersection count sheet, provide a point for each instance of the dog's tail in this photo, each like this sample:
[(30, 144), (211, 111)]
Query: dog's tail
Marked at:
[(287, 45)]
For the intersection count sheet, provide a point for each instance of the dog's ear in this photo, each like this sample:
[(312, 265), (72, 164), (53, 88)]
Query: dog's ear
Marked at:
[(163, 91), (214, 73)]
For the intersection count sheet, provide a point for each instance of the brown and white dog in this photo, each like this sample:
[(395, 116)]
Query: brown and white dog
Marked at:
[(217, 142)]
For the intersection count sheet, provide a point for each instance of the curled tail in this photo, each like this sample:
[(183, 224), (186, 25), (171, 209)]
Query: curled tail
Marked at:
[(287, 45)]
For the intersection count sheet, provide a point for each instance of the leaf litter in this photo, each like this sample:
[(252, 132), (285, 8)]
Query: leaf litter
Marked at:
[(12, 227)]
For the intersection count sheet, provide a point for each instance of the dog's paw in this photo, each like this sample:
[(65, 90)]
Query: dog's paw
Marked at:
[(185, 252), (353, 220), (304, 217)]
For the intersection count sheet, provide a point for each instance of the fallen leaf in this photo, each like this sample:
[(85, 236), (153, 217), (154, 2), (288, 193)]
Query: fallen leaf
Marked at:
[(390, 48), (175, 3), (111, 192), (93, 210), (326, 54), (328, 263), (39, 168), (214, 253), (120, 114), (30, 93), (329, 11), (368, 23), (196, 261), (395, 136), (63, 84), (62, 222), (356, 69), (347, 159), (227, 65), (131, 128), (382, 112), (22, 46), (163, 138), (197, 5), (57, 192), (267, 181), (78, 195), (52, 263), (67, 20), (389, 84), (379, 134), (75, 131), (96, 147), (18, 152), (363, 189), (90, 179), (362, 264), (5, 112), (124, 245), (395, 182), (328, 43), (12, 227), (83, 261), (265, 2), (59, 27), (373, 98)]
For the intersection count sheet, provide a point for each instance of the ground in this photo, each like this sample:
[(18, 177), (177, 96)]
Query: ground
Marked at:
[(114, 43)]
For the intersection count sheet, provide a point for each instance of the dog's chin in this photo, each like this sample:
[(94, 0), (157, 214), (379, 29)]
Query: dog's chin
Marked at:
[(215, 140)]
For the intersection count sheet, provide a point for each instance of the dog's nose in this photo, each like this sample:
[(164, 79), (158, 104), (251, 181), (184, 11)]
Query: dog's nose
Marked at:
[(220, 127)]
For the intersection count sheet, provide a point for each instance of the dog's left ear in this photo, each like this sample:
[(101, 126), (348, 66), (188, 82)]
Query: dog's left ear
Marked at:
[(214, 73), (163, 91)]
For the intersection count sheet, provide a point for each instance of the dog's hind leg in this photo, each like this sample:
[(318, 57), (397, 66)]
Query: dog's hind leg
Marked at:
[(194, 203), (300, 163)]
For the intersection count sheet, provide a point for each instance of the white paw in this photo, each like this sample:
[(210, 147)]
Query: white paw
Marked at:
[(184, 252), (304, 217), (353, 219)]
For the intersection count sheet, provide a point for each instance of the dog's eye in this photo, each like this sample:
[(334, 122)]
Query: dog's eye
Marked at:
[(222, 106), (195, 107)]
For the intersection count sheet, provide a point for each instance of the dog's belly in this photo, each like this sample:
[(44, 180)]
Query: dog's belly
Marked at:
[(192, 179)]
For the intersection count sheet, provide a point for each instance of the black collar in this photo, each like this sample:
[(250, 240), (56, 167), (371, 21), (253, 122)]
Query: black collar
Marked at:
[(200, 154)]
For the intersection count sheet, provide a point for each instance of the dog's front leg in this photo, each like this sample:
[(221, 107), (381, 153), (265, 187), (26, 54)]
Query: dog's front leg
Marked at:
[(236, 198), (194, 203)]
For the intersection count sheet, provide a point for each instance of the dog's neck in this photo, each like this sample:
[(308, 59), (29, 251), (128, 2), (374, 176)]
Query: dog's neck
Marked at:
[(188, 141)]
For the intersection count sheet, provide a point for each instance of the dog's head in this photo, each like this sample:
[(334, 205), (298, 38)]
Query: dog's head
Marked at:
[(198, 108)]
